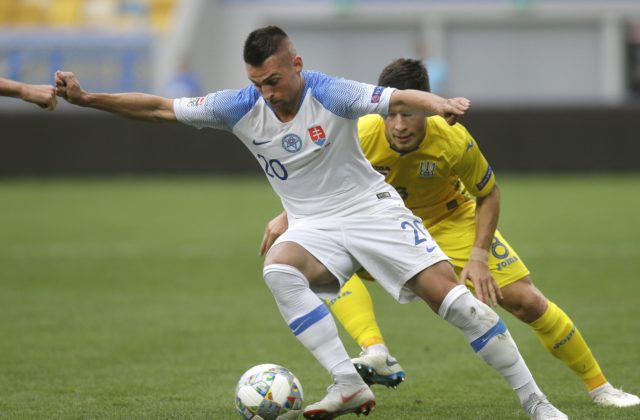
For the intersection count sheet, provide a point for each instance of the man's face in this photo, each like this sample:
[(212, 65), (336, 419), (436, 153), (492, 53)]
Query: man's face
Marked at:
[(279, 80), (404, 129)]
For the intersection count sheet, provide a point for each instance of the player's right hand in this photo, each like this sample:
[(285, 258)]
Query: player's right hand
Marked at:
[(276, 227), (453, 108), (68, 87), (486, 288)]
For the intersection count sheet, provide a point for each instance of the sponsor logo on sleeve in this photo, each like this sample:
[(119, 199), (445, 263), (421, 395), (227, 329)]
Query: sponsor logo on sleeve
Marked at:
[(483, 182), (469, 146), (377, 94), (191, 102)]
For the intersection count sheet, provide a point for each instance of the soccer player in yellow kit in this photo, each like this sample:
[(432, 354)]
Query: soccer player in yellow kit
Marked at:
[(438, 170), (443, 178)]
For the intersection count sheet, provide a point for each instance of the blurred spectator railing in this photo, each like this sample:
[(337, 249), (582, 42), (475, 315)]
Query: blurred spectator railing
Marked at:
[(107, 43), (104, 62)]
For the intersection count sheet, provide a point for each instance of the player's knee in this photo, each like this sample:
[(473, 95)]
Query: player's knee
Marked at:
[(467, 313), (524, 301), (280, 277)]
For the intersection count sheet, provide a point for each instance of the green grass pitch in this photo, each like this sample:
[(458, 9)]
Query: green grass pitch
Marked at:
[(143, 299)]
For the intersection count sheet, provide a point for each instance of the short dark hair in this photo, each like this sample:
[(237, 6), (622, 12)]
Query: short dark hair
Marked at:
[(262, 44), (405, 73)]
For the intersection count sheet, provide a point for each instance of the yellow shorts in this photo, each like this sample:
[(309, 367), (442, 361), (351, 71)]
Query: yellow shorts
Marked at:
[(455, 237)]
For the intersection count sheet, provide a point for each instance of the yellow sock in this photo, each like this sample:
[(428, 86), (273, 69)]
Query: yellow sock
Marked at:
[(354, 310), (561, 338)]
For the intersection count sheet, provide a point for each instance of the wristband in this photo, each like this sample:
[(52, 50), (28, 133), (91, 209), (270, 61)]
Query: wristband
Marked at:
[(479, 254)]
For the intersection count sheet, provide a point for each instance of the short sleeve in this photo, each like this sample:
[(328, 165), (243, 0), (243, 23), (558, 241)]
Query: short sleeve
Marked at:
[(220, 110), (472, 167), (347, 98)]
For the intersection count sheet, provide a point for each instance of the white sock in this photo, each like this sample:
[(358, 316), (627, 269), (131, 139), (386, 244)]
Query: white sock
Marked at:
[(308, 317), (489, 338), (376, 348)]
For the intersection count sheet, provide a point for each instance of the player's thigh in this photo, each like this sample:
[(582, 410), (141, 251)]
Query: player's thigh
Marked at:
[(319, 254), (506, 265), (295, 255), (434, 283), (456, 238), (393, 246)]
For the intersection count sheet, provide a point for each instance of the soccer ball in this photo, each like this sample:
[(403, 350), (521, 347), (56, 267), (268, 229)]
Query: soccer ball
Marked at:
[(269, 392)]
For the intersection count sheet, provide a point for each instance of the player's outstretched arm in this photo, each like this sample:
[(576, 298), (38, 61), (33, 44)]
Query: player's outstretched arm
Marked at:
[(140, 106), (450, 109), (42, 95)]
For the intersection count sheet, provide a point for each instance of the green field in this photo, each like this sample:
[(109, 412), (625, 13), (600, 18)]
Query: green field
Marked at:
[(143, 299)]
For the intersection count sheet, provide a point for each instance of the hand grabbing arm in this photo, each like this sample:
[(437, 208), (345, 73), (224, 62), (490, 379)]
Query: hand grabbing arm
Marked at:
[(449, 109), (131, 105)]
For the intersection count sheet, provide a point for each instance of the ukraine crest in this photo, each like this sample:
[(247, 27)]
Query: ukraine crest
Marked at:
[(427, 169)]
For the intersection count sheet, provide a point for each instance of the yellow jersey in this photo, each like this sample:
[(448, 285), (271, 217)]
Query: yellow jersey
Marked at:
[(437, 179)]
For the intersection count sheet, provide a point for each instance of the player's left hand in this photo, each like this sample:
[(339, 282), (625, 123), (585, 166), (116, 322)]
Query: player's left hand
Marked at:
[(276, 227), (453, 108), (486, 288)]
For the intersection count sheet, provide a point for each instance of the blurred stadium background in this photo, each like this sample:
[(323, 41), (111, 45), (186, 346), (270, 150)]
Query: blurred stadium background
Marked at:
[(552, 81)]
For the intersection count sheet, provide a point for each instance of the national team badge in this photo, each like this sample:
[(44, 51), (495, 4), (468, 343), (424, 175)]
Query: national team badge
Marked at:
[(317, 135), (377, 93), (427, 169), (291, 143)]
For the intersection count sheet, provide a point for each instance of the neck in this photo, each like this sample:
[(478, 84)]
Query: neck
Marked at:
[(289, 112)]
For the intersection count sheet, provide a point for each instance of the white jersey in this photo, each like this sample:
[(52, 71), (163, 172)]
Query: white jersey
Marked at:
[(313, 162)]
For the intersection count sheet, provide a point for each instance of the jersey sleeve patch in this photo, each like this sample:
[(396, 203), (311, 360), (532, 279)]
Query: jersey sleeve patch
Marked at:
[(485, 179), (377, 93)]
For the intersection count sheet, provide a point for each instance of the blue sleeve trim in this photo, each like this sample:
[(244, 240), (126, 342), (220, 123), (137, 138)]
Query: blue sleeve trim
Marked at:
[(479, 343), (341, 97), (229, 106), (301, 324)]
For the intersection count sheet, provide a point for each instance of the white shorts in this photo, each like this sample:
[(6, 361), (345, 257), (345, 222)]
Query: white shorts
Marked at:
[(388, 241)]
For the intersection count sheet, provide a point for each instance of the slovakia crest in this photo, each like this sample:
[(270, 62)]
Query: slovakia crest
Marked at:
[(317, 135), (427, 169)]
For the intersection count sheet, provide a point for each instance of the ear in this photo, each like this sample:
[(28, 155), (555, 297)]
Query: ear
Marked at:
[(297, 63)]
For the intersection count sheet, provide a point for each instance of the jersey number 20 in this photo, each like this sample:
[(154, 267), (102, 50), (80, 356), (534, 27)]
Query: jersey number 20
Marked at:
[(274, 168)]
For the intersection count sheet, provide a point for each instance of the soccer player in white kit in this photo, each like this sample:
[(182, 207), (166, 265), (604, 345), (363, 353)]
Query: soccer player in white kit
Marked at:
[(301, 126)]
